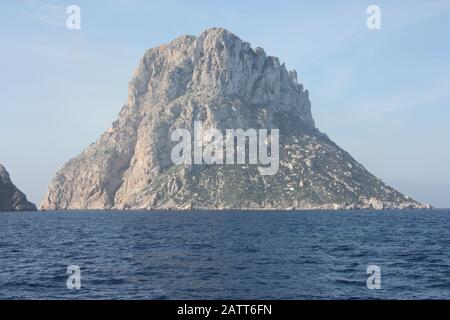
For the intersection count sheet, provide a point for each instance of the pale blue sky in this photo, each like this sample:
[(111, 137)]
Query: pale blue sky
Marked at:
[(384, 96)]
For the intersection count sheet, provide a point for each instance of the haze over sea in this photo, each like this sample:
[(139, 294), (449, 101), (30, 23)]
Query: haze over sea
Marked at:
[(225, 255)]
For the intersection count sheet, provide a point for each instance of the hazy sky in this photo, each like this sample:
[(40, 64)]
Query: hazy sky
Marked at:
[(384, 96)]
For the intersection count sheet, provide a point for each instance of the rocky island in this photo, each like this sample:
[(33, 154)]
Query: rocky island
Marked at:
[(11, 198), (222, 81)]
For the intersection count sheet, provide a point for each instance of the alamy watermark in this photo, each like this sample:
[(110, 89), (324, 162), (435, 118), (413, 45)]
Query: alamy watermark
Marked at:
[(374, 279), (73, 21), (207, 147), (74, 280), (374, 20)]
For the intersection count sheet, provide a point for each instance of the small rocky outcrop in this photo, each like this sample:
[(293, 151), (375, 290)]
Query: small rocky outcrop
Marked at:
[(11, 198)]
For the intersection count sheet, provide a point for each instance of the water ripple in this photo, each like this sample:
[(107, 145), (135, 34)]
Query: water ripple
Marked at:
[(225, 255)]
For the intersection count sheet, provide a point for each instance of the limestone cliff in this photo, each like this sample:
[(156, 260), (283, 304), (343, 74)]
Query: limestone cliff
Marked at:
[(221, 80)]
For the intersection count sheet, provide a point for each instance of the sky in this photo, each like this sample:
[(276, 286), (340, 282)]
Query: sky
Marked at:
[(382, 95)]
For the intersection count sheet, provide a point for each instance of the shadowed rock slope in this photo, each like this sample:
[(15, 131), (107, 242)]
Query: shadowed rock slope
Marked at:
[(11, 198)]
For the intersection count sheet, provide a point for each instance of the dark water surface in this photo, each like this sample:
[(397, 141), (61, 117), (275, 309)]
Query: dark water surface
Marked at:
[(225, 255)]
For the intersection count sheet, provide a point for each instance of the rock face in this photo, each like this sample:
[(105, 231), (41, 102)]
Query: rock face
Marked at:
[(11, 198), (220, 80)]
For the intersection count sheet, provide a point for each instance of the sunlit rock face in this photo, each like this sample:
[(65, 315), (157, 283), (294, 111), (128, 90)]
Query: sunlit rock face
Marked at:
[(11, 198), (222, 81)]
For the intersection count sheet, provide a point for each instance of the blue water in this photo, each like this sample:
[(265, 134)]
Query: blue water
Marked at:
[(225, 255)]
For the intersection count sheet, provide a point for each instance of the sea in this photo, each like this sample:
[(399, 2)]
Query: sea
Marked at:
[(225, 255)]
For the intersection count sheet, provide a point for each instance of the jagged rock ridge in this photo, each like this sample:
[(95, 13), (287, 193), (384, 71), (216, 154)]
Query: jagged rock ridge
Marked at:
[(11, 198), (221, 80)]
